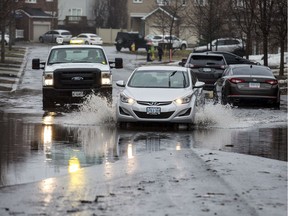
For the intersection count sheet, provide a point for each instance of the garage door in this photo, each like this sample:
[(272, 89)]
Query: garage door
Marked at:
[(39, 29)]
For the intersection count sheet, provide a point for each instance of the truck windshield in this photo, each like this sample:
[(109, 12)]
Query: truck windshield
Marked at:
[(77, 55)]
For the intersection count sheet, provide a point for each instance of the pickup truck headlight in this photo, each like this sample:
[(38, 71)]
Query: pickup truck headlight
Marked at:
[(48, 80), (106, 78)]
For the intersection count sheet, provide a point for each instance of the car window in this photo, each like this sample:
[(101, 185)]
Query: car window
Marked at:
[(82, 36), (207, 60), (159, 79), (220, 43), (232, 42), (77, 55), (54, 32), (263, 71), (66, 33), (157, 37)]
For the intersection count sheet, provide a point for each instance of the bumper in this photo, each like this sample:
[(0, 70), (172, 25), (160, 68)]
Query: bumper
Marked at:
[(65, 96), (171, 113)]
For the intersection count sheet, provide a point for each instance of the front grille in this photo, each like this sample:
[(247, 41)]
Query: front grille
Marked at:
[(154, 103), (162, 115), (77, 78)]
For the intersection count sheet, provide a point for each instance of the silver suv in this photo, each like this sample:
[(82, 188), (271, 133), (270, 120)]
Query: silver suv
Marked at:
[(53, 35), (233, 45)]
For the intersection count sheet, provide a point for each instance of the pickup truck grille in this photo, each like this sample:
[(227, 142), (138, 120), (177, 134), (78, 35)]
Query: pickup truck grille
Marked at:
[(77, 78)]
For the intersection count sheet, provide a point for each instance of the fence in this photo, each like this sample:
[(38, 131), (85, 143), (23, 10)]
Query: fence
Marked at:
[(108, 35)]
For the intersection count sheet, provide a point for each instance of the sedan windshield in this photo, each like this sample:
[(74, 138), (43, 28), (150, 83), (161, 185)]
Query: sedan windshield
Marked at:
[(261, 71), (77, 55), (159, 79), (207, 60)]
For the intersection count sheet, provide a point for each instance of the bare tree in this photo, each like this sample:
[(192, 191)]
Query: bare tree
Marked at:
[(279, 29), (207, 17), (111, 13), (101, 13), (6, 17), (244, 13), (168, 19), (265, 11)]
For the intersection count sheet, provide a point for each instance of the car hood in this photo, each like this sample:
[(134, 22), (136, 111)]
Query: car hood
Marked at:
[(156, 94), (77, 65)]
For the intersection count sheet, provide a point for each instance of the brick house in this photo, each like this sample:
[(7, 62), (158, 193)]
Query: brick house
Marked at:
[(36, 17)]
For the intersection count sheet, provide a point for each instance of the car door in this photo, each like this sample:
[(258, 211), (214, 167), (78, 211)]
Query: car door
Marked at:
[(219, 45)]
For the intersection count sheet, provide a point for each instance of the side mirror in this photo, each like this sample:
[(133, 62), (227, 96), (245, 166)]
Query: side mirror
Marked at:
[(183, 62), (199, 84), (118, 63), (36, 64), (121, 83)]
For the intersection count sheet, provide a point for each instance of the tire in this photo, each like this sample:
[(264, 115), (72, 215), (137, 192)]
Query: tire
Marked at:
[(183, 47), (224, 100), (41, 40), (48, 103), (86, 42), (118, 48)]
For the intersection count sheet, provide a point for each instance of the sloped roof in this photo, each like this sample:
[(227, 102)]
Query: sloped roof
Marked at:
[(36, 13), (159, 9)]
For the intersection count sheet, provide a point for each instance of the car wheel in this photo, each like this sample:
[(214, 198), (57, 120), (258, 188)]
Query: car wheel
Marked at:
[(276, 105), (118, 48), (183, 47), (41, 40), (224, 100), (86, 42), (48, 103)]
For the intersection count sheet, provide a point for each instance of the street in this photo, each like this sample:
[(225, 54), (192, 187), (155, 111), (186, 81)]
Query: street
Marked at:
[(36, 146)]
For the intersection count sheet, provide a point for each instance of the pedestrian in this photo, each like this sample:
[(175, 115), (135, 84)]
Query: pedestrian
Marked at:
[(149, 52), (160, 53)]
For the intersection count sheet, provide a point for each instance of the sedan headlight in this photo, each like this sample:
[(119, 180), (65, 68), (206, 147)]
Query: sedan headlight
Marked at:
[(183, 100), (48, 80), (126, 99)]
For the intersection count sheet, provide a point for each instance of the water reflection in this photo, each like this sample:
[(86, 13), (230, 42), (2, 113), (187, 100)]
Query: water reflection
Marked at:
[(34, 151)]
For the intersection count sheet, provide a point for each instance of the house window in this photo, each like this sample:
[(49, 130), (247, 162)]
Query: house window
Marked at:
[(200, 2), (162, 2), (166, 2), (137, 1), (31, 1)]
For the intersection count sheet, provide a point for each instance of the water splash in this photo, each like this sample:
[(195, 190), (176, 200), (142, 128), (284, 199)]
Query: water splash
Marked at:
[(95, 110), (216, 116)]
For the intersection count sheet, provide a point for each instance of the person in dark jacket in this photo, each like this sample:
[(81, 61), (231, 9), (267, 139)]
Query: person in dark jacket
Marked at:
[(160, 53)]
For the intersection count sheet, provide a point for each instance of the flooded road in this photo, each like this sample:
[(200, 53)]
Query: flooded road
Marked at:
[(35, 144)]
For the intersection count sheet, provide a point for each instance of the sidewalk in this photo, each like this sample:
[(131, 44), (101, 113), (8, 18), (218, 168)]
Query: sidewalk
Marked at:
[(11, 71)]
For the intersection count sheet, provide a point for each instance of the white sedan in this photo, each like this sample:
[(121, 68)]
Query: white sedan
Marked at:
[(87, 38), (159, 94)]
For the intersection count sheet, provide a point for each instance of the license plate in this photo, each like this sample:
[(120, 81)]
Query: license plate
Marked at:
[(207, 69), (153, 110), (254, 85), (77, 93)]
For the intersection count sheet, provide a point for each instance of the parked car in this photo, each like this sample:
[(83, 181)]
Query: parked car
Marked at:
[(51, 36), (208, 67), (87, 38), (159, 94), (126, 39), (232, 58), (233, 45), (6, 38), (177, 43), (247, 83)]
